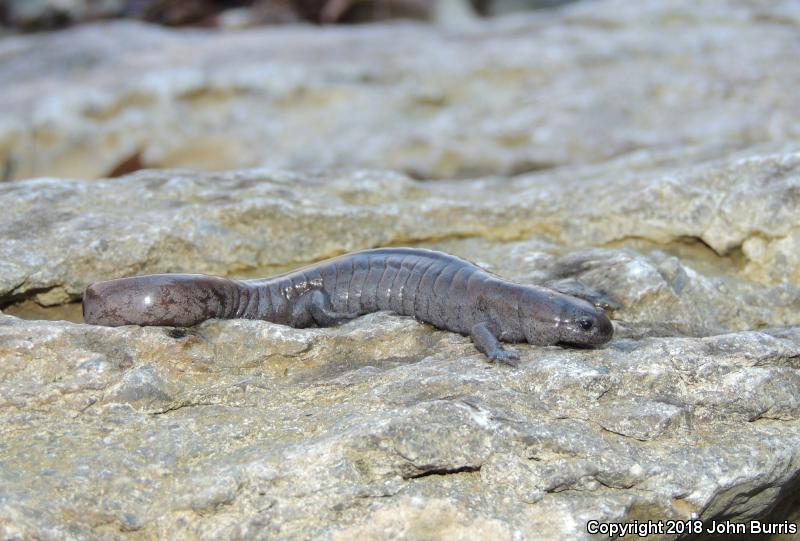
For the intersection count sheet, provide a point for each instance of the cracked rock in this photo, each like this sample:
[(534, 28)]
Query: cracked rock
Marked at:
[(247, 429), (682, 224)]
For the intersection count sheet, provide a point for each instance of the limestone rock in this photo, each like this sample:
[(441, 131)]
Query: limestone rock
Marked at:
[(581, 84), (246, 429), (62, 235), (385, 427)]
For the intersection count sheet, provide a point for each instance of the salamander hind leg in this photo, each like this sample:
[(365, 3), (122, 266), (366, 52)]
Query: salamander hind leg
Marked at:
[(317, 304), (484, 336)]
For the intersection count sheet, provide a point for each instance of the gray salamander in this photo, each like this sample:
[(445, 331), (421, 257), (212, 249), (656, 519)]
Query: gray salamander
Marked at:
[(431, 286)]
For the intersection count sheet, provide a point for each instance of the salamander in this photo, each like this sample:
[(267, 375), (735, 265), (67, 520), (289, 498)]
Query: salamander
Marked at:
[(437, 288)]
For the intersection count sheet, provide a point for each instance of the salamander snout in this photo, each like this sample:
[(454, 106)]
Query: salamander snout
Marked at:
[(585, 325), (597, 328)]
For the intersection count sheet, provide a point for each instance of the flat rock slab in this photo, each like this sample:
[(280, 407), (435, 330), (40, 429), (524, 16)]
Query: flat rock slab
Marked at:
[(385, 426), (683, 222), (250, 430), (574, 228), (510, 95)]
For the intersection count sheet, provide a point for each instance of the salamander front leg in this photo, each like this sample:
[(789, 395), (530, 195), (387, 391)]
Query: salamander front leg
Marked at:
[(484, 335), (315, 307)]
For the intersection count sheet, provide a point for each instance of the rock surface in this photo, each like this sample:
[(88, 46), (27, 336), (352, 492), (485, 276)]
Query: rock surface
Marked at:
[(111, 98), (386, 428), (61, 235)]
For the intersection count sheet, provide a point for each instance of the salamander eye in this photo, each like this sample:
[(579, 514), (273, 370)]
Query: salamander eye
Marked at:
[(585, 323)]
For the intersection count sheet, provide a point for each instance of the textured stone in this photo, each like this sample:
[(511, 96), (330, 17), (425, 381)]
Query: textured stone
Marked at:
[(62, 235), (383, 427), (583, 83), (386, 428)]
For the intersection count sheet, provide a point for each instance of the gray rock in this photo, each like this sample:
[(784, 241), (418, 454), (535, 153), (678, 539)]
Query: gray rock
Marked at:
[(140, 385), (62, 235), (585, 83), (384, 425), (386, 428)]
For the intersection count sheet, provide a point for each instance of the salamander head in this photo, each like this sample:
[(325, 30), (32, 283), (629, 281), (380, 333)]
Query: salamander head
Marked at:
[(583, 324), (179, 300), (565, 319)]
